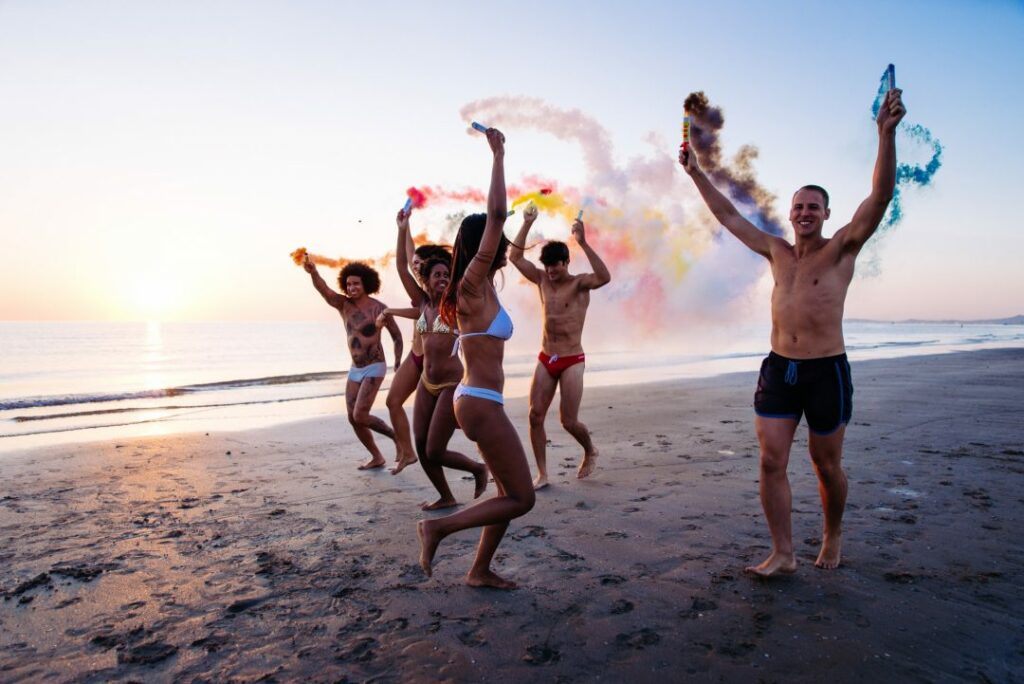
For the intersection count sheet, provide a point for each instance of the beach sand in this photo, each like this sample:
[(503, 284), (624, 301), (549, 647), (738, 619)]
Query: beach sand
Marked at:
[(265, 555)]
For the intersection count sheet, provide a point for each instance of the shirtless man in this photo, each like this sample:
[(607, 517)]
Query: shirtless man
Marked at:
[(807, 371), (564, 299), (359, 311)]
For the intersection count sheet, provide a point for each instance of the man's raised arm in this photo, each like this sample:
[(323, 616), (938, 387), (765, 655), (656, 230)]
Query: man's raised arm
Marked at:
[(723, 209), (601, 275), (883, 181), (516, 249), (330, 296)]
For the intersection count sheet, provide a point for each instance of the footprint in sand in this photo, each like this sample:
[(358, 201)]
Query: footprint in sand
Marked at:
[(541, 655), (639, 639), (621, 606)]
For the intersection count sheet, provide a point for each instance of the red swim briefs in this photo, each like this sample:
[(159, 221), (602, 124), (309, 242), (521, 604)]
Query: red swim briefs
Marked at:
[(555, 365)]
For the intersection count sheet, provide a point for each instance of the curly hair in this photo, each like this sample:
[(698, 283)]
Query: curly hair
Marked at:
[(467, 244), (369, 276)]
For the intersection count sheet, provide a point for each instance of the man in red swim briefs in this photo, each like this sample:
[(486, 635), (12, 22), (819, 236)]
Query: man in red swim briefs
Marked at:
[(564, 299)]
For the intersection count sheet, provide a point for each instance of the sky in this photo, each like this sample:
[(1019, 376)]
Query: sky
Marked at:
[(160, 160)]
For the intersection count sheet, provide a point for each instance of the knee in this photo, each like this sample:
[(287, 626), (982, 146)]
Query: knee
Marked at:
[(524, 502), (571, 424), (773, 464), (828, 469), (536, 418), (394, 403), (359, 418)]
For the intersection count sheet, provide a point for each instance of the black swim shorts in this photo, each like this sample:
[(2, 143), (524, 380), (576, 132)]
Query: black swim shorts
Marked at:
[(821, 388)]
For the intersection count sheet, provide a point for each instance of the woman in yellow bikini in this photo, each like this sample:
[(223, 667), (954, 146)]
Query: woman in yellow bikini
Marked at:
[(433, 414)]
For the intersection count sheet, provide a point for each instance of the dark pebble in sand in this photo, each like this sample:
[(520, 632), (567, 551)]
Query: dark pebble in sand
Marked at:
[(145, 654), (541, 655), (173, 534), (621, 606), (1013, 452), (900, 577), (244, 604), (612, 579), (276, 512), (26, 599)]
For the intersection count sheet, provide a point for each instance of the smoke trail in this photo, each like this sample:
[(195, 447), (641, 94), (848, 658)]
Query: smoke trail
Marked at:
[(907, 174), (705, 125), (666, 263)]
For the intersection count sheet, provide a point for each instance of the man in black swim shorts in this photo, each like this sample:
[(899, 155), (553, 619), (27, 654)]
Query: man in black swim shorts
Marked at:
[(807, 372)]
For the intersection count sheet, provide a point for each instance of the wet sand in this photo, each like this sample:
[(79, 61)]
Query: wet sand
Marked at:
[(265, 555)]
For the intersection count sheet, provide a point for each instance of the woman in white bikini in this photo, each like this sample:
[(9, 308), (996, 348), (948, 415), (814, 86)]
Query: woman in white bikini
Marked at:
[(471, 305)]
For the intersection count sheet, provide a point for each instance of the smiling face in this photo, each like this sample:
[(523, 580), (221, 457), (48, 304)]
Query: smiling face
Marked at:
[(808, 213), (354, 287), (438, 279), (557, 271)]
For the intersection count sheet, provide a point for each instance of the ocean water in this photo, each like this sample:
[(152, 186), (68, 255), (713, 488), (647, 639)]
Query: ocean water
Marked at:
[(79, 381)]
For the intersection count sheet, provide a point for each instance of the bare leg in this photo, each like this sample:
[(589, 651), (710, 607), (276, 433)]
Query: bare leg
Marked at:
[(826, 455), (442, 426), (403, 384), (356, 416), (423, 411), (542, 391), (571, 386), (485, 422), (776, 438)]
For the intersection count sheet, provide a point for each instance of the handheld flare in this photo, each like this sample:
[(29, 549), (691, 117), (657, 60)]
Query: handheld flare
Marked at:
[(686, 136), (479, 126), (890, 74), (408, 206), (579, 215)]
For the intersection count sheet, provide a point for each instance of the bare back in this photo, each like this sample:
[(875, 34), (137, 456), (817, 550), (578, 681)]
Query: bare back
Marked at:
[(808, 299), (565, 311)]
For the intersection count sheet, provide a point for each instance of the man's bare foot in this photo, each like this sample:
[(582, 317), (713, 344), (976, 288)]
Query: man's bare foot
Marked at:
[(374, 463), (828, 557), (481, 481), (775, 564), (587, 465), (489, 579), (439, 504), (428, 545), (402, 463), (540, 482)]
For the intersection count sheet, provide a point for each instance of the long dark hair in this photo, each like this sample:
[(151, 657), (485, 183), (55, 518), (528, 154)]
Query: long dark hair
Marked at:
[(467, 244)]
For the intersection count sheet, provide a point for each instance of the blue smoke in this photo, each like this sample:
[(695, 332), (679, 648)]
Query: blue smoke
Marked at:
[(907, 174)]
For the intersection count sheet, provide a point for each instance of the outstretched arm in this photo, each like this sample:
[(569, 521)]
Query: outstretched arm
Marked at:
[(396, 335), (601, 276), (724, 210), (883, 182), (330, 296), (403, 258), (497, 210), (516, 254)]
